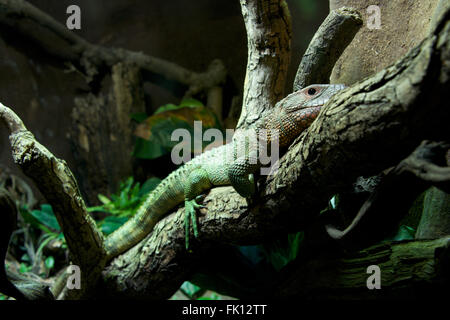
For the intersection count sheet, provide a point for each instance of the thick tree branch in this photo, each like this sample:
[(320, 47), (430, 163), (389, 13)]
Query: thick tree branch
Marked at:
[(330, 40), (361, 131), (20, 18), (412, 269), (434, 222), (268, 25), (393, 197), (58, 185)]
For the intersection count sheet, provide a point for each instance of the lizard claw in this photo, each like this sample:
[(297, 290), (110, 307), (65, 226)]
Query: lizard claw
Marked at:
[(190, 216)]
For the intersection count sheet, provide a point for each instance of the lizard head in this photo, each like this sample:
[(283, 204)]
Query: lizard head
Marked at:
[(315, 95), (298, 110)]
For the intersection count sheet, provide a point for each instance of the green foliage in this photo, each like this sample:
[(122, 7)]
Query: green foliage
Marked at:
[(212, 296), (190, 289), (185, 103), (139, 117), (194, 292), (280, 252), (154, 132), (123, 205), (24, 266), (40, 226), (45, 221), (403, 233), (49, 262)]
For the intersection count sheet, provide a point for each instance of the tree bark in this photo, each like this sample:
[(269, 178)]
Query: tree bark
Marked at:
[(408, 270), (390, 202), (57, 183), (361, 131), (435, 221), (20, 18), (330, 40), (268, 25), (101, 132)]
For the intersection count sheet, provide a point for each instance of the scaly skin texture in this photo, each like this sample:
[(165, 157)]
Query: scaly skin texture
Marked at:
[(230, 164)]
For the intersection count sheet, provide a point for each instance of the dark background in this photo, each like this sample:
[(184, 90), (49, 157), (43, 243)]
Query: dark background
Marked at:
[(189, 33)]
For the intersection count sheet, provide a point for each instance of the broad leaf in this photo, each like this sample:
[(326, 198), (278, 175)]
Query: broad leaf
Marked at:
[(46, 217)]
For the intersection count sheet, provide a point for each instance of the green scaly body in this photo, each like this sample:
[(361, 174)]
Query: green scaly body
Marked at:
[(224, 165)]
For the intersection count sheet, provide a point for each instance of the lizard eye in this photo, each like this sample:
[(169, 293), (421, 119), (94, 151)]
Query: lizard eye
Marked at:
[(312, 91)]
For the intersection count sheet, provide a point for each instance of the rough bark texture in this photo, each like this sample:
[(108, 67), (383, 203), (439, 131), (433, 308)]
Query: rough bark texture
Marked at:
[(57, 183), (60, 44), (330, 40), (102, 132), (403, 26), (361, 131), (268, 25), (409, 270), (435, 221), (390, 202)]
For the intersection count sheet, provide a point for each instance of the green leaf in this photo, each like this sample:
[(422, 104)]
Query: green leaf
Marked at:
[(403, 233), (28, 217), (212, 296), (103, 199), (47, 208), (190, 102), (282, 251), (144, 149), (25, 258), (24, 268), (190, 288), (139, 117), (97, 208), (185, 103), (49, 262), (154, 135), (46, 217), (294, 242), (166, 107), (111, 223)]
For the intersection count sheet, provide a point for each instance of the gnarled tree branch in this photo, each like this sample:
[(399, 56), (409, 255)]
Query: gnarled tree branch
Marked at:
[(18, 17), (56, 182), (393, 197), (420, 271), (361, 131), (330, 40), (268, 25)]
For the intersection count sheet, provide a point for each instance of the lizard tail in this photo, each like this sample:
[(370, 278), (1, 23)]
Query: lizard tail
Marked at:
[(133, 231), (163, 198)]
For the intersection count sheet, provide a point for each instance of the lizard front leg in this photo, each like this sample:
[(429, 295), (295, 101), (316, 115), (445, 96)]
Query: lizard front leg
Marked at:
[(240, 174), (197, 182)]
